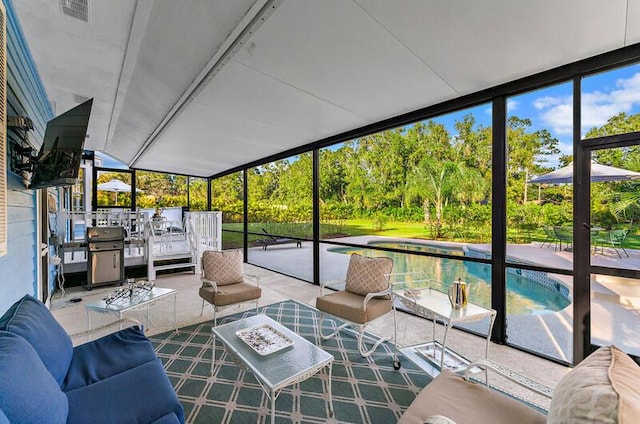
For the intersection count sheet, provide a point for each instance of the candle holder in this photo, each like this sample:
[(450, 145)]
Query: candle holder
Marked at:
[(132, 290)]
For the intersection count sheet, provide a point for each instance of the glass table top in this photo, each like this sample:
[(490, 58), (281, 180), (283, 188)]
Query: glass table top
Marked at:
[(279, 367), (138, 298), (430, 294)]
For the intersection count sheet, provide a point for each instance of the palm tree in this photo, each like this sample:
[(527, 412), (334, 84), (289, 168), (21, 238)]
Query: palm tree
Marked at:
[(436, 183)]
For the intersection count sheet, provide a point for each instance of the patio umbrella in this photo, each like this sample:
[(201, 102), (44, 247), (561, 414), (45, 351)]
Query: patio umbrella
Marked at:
[(116, 186), (599, 173)]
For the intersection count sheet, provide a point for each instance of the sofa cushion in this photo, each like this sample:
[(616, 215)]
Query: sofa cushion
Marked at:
[(367, 275), (139, 395), (28, 392), (31, 319), (107, 356), (223, 267), (467, 402), (603, 388), (170, 418), (3, 418)]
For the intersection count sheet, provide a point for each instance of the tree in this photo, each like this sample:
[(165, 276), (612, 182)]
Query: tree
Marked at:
[(473, 146), (436, 183), (617, 124), (527, 152), (227, 196), (621, 200)]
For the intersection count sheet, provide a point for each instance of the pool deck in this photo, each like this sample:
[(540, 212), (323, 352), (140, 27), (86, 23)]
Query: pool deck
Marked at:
[(615, 301)]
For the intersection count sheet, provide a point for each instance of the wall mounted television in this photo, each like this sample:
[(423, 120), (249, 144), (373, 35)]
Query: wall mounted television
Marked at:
[(58, 162)]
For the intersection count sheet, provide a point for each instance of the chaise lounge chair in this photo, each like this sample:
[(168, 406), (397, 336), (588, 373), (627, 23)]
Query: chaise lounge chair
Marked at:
[(271, 240)]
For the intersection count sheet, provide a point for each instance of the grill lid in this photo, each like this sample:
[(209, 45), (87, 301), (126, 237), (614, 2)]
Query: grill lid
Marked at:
[(105, 233)]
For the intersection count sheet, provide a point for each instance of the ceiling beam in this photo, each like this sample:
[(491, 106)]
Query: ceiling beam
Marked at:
[(138, 28), (241, 34)]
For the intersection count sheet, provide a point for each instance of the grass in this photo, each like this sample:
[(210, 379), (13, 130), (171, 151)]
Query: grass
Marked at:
[(416, 230)]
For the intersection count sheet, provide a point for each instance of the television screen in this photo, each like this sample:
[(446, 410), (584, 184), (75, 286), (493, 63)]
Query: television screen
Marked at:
[(58, 162)]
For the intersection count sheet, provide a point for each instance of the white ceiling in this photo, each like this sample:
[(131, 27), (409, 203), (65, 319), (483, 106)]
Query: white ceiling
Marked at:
[(173, 92)]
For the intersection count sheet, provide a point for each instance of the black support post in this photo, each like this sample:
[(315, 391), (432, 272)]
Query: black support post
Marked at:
[(316, 216), (245, 218), (499, 218), (581, 236), (133, 191)]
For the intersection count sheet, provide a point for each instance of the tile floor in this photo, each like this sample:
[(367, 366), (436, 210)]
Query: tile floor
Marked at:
[(276, 287)]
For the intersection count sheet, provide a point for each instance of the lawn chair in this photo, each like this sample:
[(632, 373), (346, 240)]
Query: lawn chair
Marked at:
[(366, 297), (550, 237), (223, 281), (564, 234), (271, 240), (615, 239)]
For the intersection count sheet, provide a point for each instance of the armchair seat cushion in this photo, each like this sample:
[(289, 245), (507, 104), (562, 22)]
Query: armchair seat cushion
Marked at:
[(467, 402), (350, 306), (145, 395), (230, 294), (108, 356)]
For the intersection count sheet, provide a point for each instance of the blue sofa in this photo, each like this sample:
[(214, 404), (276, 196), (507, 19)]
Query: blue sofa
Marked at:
[(44, 379)]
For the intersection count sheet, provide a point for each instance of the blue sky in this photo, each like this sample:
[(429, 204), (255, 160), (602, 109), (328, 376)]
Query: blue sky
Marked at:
[(603, 96)]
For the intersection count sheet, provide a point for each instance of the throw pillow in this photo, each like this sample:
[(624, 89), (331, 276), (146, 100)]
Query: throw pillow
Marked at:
[(222, 267), (367, 275), (30, 319), (602, 388)]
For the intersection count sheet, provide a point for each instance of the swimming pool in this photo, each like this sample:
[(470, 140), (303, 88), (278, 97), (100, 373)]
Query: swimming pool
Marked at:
[(524, 296)]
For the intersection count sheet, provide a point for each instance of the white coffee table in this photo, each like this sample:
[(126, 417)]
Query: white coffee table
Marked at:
[(143, 300), (276, 370)]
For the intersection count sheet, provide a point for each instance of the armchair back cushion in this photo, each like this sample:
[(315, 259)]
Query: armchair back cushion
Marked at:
[(30, 319), (28, 392), (222, 267), (367, 275), (603, 388)]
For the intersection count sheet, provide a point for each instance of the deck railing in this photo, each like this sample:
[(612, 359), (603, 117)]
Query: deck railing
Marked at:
[(204, 232)]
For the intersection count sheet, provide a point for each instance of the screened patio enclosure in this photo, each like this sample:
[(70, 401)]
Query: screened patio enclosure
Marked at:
[(225, 92)]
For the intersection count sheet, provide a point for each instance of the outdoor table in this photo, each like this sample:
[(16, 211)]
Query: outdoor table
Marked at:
[(416, 292)]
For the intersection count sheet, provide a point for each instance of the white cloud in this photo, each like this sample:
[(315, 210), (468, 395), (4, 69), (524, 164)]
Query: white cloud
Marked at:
[(597, 106), (556, 113), (512, 105), (546, 101)]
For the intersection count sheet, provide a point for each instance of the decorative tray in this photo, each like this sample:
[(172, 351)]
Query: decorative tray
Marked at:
[(264, 339), (432, 351)]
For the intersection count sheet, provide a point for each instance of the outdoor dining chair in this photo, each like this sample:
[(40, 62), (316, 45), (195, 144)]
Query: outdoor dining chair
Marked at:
[(366, 297), (550, 237), (564, 234), (614, 238), (223, 281)]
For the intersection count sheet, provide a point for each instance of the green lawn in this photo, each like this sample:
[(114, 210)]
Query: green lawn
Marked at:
[(361, 227)]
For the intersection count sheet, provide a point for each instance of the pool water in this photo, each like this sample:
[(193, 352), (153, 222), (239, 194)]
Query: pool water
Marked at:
[(523, 296)]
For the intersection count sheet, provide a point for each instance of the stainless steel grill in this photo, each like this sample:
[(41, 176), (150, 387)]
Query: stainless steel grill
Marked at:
[(106, 256)]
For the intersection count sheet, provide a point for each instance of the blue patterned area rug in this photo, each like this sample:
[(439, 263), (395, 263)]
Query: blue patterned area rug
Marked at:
[(365, 390)]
